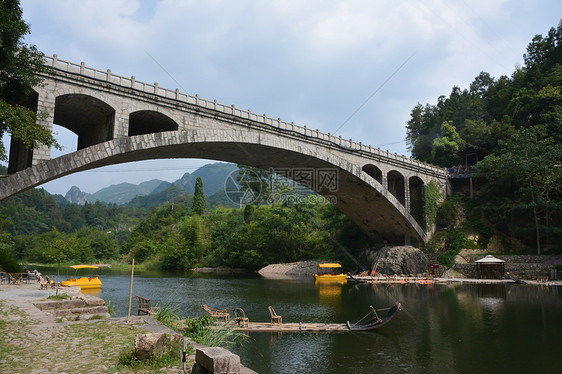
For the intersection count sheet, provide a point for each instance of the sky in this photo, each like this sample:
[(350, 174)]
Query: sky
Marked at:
[(354, 68)]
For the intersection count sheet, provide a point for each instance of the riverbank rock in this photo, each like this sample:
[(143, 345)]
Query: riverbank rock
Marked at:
[(292, 268), (154, 345), (400, 260)]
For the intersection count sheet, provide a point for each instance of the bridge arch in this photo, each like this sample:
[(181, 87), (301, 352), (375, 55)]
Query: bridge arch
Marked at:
[(376, 211), (90, 118), (150, 121)]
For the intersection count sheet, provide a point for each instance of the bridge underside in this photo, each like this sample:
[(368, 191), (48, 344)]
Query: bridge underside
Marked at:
[(375, 210)]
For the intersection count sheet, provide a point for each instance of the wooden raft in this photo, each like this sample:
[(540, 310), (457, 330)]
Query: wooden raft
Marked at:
[(294, 327), (371, 324)]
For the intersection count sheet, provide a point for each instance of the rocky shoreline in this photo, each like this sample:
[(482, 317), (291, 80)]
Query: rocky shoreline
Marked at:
[(408, 261)]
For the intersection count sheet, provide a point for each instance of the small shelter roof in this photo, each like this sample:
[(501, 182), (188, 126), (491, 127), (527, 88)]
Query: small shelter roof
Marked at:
[(83, 267), (472, 149), (490, 260), (329, 265)]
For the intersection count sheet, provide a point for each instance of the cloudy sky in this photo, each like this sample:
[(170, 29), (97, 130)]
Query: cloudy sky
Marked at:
[(354, 68)]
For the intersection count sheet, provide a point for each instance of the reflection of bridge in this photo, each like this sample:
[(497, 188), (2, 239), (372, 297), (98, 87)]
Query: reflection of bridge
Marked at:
[(119, 119)]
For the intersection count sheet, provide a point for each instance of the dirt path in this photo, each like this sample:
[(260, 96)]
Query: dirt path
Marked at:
[(34, 341)]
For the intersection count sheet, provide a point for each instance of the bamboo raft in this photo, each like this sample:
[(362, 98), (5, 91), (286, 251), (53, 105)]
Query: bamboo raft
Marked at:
[(374, 322)]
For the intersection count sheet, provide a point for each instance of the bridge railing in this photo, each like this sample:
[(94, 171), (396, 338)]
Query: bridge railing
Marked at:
[(155, 89)]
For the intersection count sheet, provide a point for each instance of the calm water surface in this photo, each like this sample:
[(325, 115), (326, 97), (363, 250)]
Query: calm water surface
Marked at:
[(441, 329)]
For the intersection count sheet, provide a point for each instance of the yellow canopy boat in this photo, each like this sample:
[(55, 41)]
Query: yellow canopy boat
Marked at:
[(330, 272), (84, 283)]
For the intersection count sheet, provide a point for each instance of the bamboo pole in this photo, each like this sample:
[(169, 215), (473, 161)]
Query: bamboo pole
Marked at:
[(131, 291)]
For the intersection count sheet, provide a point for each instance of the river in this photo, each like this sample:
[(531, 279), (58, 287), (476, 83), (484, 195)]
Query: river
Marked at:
[(441, 328)]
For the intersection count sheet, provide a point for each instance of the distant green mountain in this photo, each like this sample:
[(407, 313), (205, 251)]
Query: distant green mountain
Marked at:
[(124, 192), (172, 193), (213, 176)]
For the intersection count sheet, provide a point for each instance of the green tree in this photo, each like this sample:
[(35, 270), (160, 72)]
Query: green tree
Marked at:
[(444, 148), (527, 179), (199, 197), (19, 64)]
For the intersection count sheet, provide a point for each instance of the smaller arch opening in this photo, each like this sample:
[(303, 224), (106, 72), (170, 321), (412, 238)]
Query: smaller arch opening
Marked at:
[(396, 186), (373, 172), (417, 200), (20, 156), (148, 122), (91, 119)]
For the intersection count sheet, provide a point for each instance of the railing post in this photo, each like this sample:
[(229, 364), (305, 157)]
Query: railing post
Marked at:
[(196, 99), (82, 66), (55, 59), (156, 88), (108, 75), (233, 109), (177, 91)]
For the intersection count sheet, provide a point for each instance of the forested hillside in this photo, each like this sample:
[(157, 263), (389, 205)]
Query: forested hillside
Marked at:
[(519, 120)]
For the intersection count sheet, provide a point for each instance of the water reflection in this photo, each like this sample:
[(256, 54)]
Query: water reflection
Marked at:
[(92, 291), (329, 293)]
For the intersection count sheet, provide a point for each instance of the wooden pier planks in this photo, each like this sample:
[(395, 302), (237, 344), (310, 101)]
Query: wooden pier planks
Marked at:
[(294, 327)]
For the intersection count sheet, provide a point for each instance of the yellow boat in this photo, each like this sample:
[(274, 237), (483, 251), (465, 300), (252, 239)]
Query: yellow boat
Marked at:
[(85, 283), (330, 272)]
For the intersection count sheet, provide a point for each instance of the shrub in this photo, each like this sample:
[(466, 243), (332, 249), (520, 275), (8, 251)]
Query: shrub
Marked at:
[(204, 331)]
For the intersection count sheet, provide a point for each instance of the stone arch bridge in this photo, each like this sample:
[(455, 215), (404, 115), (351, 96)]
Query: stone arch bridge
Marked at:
[(119, 119)]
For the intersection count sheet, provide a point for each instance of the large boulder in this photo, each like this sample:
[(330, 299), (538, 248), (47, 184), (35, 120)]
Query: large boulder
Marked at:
[(293, 268), (401, 260)]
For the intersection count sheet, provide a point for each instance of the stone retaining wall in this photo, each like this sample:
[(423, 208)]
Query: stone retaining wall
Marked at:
[(529, 267)]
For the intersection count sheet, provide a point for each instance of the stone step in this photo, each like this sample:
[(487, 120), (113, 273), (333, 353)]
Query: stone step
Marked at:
[(86, 310), (82, 306)]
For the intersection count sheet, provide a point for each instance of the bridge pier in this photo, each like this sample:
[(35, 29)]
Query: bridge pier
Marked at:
[(46, 116)]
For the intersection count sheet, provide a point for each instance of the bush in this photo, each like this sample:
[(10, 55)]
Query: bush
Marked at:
[(8, 263), (128, 359), (457, 243)]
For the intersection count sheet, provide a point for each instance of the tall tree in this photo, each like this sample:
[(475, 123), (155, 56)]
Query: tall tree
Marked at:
[(19, 64), (199, 197)]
